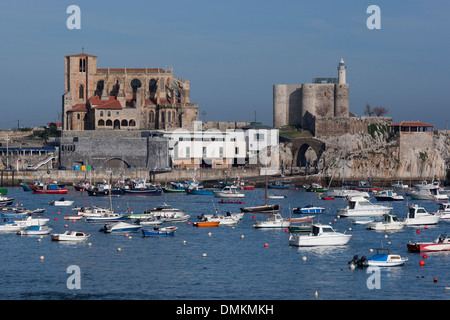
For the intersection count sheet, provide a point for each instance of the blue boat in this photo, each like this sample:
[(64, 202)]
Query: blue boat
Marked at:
[(15, 214), (309, 209), (109, 217), (159, 232), (194, 191)]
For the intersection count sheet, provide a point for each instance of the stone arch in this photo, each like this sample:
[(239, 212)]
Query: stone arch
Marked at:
[(124, 123), (116, 124), (300, 147), (116, 163)]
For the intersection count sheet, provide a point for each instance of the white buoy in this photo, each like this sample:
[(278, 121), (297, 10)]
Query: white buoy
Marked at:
[(41, 257), (184, 242), (316, 294), (350, 229), (118, 249), (304, 258), (352, 266), (89, 244), (370, 250), (204, 255), (385, 236), (209, 234), (242, 236)]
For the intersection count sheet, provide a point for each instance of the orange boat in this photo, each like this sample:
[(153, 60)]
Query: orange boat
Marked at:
[(206, 224)]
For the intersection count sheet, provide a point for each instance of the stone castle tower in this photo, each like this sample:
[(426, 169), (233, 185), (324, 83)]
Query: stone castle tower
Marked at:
[(124, 98), (299, 104)]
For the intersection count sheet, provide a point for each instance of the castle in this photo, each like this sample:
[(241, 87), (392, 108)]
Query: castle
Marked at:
[(300, 105), (124, 98)]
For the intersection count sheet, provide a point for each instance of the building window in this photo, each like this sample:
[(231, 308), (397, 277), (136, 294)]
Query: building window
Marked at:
[(221, 152), (132, 123), (236, 150), (101, 123), (101, 113), (152, 116), (188, 152), (82, 65), (109, 113), (81, 92), (78, 116), (108, 123)]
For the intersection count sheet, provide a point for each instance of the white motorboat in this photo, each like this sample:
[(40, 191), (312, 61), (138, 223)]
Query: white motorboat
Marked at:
[(167, 213), (70, 236), (344, 193), (61, 202), (419, 216), (399, 185), (94, 212), (29, 221), (10, 227), (321, 235), (274, 220), (387, 195), (229, 192), (361, 207), (35, 230), (428, 192), (389, 223), (120, 227), (384, 258), (229, 219), (149, 221), (363, 220), (107, 217), (444, 211), (442, 243)]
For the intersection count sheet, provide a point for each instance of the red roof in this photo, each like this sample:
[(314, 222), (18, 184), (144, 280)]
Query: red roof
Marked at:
[(78, 107), (410, 124), (110, 104)]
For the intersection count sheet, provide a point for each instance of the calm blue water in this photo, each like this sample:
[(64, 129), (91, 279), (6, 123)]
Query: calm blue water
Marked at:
[(234, 268)]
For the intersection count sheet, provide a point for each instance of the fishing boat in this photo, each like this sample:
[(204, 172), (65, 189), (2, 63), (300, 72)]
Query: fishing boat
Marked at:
[(61, 202), (82, 186), (321, 235), (361, 207), (175, 187), (149, 221), (120, 227), (229, 192), (196, 190), (70, 236), (387, 195), (265, 208), (108, 217), (315, 187), (51, 189), (15, 214), (202, 224), (442, 243), (389, 223), (419, 216), (383, 258), (227, 219), (309, 209), (25, 187), (5, 201), (158, 232), (142, 189), (99, 192), (35, 230), (282, 184), (399, 185)]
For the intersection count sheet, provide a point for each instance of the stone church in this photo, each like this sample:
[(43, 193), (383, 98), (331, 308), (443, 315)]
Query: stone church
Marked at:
[(124, 98)]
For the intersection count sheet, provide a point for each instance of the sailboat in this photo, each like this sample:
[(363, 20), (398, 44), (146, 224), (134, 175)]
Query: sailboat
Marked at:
[(265, 208)]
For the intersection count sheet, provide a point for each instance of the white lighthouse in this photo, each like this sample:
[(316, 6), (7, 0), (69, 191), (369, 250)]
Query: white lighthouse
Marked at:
[(342, 72)]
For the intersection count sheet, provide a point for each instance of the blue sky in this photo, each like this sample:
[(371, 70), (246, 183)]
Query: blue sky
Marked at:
[(233, 52)]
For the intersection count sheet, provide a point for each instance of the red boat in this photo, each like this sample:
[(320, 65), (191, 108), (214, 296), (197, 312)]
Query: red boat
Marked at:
[(442, 243), (50, 191), (327, 198)]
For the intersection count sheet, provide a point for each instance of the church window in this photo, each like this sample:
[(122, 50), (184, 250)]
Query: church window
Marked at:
[(152, 116), (152, 85), (82, 67), (163, 116), (78, 116), (169, 116), (81, 92)]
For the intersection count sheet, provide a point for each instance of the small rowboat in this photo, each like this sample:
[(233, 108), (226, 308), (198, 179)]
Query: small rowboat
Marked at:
[(77, 217), (206, 224), (158, 232)]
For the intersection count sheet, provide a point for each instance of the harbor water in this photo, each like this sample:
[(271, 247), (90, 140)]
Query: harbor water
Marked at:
[(218, 263)]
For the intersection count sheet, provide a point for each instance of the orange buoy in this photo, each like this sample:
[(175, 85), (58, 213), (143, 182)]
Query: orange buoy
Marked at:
[(424, 256), (422, 263), (418, 231)]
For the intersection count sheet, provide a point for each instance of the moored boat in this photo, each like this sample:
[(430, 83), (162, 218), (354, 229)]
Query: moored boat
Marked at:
[(383, 258), (108, 217), (61, 202), (5, 201), (387, 195), (120, 227), (35, 230), (229, 192), (419, 216), (309, 209), (201, 224), (389, 223), (158, 232), (70, 236), (361, 207), (442, 243), (321, 235)]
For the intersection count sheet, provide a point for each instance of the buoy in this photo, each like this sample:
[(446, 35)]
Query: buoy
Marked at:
[(370, 250), (424, 256), (204, 255), (130, 237), (418, 231), (385, 236), (266, 245), (39, 240), (422, 263), (426, 227), (65, 226), (350, 229), (188, 223), (126, 235), (286, 230), (253, 217), (352, 266), (316, 294), (304, 258), (435, 280), (242, 236), (41, 257), (118, 249), (335, 220), (55, 218), (209, 234), (184, 242), (59, 212), (89, 244)]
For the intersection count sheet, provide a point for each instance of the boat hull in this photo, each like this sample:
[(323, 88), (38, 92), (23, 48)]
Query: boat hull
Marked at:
[(428, 247), (314, 241), (262, 209), (206, 224), (50, 191), (159, 232)]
